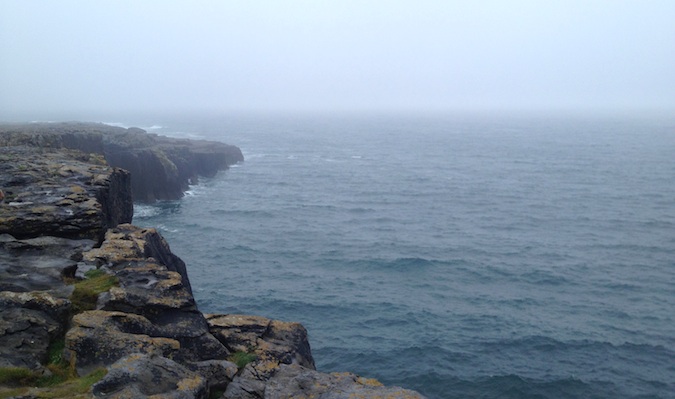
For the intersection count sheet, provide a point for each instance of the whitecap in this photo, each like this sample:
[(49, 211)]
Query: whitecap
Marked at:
[(116, 124), (165, 228), (145, 211)]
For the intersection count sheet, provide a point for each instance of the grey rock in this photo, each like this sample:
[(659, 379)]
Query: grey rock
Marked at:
[(40, 264), (148, 376), (100, 338), (272, 341), (61, 193), (126, 243), (29, 322), (218, 373), (293, 381)]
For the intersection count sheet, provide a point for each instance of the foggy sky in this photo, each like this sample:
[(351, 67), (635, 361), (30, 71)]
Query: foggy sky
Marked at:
[(74, 57)]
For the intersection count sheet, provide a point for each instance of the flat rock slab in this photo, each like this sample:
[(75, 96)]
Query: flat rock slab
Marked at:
[(40, 264), (61, 193)]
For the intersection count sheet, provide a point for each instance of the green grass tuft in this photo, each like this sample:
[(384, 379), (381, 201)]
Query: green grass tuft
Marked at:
[(241, 359), (86, 291), (16, 376), (55, 352), (54, 388)]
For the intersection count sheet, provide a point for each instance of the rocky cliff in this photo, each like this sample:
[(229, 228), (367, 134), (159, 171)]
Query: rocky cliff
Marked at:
[(92, 306), (161, 167)]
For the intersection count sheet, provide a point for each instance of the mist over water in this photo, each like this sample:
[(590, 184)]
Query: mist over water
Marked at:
[(458, 256)]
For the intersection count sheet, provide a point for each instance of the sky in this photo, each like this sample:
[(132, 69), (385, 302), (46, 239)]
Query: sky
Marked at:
[(71, 58)]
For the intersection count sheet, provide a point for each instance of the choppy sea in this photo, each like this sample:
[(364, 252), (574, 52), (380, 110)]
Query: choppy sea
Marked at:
[(460, 256)]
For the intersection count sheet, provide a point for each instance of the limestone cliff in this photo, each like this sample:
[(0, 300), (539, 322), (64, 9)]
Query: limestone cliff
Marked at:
[(161, 167), (86, 297)]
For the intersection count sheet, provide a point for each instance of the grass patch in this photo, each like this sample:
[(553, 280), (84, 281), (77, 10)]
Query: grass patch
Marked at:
[(241, 359), (42, 389), (55, 352), (86, 291), (11, 393), (16, 376), (57, 365)]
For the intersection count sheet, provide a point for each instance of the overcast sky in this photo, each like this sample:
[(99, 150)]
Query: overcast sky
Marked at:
[(81, 56)]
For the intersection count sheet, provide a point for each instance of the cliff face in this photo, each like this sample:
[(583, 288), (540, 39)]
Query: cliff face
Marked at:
[(61, 193), (82, 292), (161, 167)]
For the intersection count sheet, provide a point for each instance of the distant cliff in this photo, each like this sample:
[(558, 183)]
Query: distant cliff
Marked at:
[(161, 167)]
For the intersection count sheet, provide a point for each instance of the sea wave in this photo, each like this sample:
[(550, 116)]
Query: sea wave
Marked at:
[(459, 262)]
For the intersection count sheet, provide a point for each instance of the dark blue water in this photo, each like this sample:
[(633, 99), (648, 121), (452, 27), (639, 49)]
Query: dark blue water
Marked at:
[(464, 257)]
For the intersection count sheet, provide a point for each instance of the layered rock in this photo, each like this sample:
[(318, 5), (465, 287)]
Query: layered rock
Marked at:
[(63, 212), (161, 167), (61, 193)]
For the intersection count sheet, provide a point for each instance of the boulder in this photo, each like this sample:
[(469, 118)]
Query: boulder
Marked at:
[(270, 344), (150, 376), (269, 340), (100, 338)]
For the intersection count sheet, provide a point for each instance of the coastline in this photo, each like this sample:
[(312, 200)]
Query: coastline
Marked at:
[(143, 322)]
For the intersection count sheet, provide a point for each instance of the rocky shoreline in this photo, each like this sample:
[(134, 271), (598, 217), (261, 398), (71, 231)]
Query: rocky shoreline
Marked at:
[(93, 306)]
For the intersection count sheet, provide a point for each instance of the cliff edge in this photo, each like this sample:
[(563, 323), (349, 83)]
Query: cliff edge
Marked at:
[(161, 167), (92, 306)]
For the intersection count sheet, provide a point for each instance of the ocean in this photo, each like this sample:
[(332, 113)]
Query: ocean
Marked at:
[(469, 256)]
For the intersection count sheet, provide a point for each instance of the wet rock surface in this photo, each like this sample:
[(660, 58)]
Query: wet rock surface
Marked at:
[(61, 193)]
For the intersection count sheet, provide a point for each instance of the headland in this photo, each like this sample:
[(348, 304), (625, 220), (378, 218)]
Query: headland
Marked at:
[(93, 306)]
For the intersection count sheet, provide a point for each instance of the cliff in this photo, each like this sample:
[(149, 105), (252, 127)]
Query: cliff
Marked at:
[(92, 306), (161, 167)]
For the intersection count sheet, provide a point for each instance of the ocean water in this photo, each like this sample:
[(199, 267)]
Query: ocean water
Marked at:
[(463, 257)]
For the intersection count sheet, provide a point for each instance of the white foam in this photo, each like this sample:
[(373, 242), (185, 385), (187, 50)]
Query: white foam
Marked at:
[(165, 228), (145, 211), (116, 124)]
